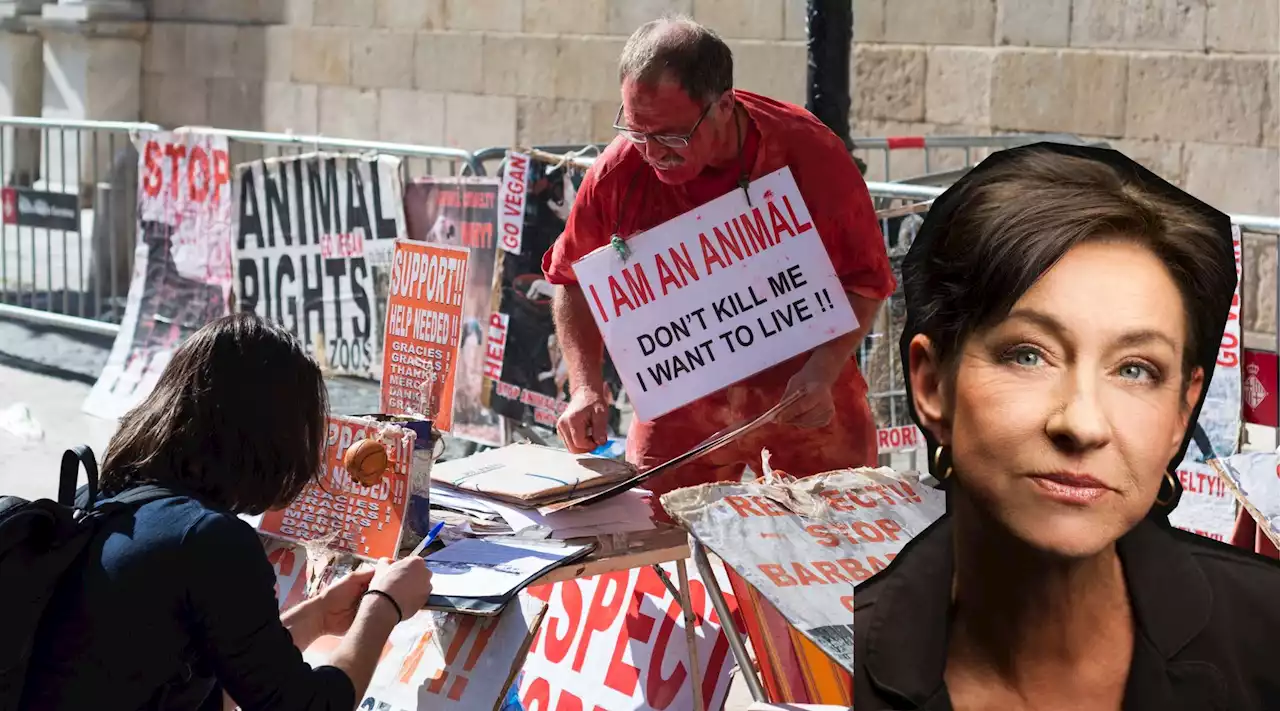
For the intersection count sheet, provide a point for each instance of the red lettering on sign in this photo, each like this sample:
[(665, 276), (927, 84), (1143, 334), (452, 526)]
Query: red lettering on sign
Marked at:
[(742, 506), (623, 677), (847, 601), (154, 176), (558, 645), (778, 575), (601, 614)]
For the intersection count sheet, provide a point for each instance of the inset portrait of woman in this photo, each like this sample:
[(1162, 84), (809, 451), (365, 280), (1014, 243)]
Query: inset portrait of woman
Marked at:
[(1065, 311)]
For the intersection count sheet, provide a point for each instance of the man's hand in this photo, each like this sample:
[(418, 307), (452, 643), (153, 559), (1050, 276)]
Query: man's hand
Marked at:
[(584, 425), (815, 407)]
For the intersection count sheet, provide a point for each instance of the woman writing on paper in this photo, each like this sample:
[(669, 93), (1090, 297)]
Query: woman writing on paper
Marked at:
[(176, 600), (1065, 308)]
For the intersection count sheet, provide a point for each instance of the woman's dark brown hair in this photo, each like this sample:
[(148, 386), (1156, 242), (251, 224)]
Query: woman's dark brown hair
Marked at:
[(1007, 222), (237, 418), (1016, 221)]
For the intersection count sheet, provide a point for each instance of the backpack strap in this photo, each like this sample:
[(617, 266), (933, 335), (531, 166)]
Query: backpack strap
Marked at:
[(70, 475), (140, 495)]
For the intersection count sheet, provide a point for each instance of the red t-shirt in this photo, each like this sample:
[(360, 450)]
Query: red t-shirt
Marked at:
[(621, 195)]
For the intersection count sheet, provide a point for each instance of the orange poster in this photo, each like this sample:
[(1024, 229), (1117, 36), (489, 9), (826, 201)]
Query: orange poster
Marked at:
[(363, 520), (424, 327)]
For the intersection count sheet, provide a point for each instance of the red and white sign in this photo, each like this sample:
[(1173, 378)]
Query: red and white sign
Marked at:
[(512, 195), (496, 345), (715, 295), (616, 642), (186, 182), (1262, 388), (899, 439), (1207, 507), (805, 544)]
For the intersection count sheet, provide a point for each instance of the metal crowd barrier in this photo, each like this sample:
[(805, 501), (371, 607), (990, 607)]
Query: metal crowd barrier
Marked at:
[(69, 198), (68, 228)]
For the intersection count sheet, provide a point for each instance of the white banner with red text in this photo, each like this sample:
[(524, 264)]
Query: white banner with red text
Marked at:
[(804, 544), (715, 295), (616, 642)]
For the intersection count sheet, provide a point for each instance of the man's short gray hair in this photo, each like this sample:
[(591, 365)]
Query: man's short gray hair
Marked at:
[(678, 47)]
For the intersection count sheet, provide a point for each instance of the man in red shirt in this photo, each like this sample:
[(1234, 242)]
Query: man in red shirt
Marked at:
[(687, 137)]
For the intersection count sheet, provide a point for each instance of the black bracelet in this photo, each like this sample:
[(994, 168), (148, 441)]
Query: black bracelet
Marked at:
[(388, 598)]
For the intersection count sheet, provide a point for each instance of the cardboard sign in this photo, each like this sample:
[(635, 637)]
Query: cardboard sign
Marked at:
[(805, 544), (1262, 388), (182, 263), (715, 295), (616, 642), (310, 231), (511, 201), (424, 328), (463, 212), (365, 521)]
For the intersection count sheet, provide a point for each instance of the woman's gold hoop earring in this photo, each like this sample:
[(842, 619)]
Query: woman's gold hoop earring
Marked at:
[(1173, 489), (937, 457)]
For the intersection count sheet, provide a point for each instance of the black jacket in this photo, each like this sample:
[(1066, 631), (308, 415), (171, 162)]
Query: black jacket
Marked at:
[(1207, 620)]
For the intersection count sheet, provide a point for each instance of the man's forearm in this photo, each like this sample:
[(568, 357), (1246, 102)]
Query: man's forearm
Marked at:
[(830, 358), (579, 339)]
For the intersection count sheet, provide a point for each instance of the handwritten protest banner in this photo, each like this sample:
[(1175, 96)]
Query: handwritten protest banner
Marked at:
[(311, 230), (1207, 507), (433, 661), (899, 439), (463, 212), (182, 263), (340, 512), (805, 544), (424, 328), (715, 295), (616, 642), (512, 196)]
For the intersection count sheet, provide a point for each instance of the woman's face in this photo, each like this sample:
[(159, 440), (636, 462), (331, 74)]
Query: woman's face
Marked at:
[(1062, 418)]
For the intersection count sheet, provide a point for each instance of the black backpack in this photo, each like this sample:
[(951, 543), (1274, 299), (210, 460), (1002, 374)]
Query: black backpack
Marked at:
[(39, 541)]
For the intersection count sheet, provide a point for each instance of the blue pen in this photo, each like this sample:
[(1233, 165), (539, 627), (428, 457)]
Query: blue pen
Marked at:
[(431, 537)]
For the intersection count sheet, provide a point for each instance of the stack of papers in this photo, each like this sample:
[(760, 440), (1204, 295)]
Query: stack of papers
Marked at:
[(530, 475)]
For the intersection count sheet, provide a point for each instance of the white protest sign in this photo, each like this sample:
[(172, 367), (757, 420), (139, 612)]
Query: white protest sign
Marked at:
[(616, 642), (1207, 507), (805, 544), (512, 194), (182, 263), (310, 231), (715, 295), (1222, 416)]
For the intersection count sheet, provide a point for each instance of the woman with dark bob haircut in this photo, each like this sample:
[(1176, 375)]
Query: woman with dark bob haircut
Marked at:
[(177, 601), (1065, 311)]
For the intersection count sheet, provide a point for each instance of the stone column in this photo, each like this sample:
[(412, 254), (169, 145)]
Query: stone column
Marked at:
[(92, 71), (85, 10), (21, 80)]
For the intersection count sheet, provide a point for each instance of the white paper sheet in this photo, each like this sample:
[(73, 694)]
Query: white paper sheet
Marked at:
[(622, 514), (474, 568)]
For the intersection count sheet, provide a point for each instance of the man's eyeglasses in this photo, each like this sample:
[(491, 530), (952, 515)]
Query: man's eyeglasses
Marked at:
[(667, 139)]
